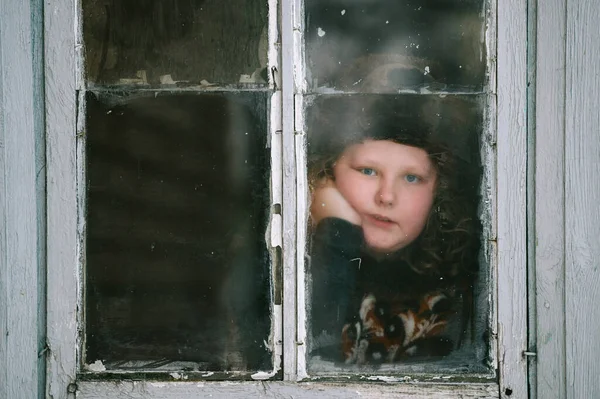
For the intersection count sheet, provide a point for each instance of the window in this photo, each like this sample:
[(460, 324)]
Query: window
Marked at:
[(132, 147)]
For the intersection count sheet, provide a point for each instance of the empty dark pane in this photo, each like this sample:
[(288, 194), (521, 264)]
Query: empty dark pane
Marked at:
[(386, 46), (175, 42), (177, 266)]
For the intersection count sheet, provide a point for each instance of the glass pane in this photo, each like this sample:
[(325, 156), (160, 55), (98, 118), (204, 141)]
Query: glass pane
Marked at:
[(177, 266), (175, 42), (386, 46), (397, 278)]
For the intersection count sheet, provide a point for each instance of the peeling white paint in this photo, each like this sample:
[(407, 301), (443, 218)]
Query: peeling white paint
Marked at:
[(387, 378), (96, 367), (208, 374), (343, 12), (179, 376), (262, 375), (320, 32)]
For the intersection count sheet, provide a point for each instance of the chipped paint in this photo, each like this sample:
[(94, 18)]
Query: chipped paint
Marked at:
[(262, 375), (96, 367), (178, 376), (387, 378)]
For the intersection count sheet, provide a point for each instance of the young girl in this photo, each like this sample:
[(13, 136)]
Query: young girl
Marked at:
[(396, 235)]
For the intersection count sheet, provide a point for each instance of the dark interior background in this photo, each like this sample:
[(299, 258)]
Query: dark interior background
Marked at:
[(374, 45), (176, 260), (191, 40)]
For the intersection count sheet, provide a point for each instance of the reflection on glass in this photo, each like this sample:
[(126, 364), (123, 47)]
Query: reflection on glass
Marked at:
[(176, 262), (385, 46), (175, 42), (395, 243)]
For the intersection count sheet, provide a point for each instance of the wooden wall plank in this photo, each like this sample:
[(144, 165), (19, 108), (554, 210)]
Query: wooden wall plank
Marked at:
[(21, 203), (512, 190), (582, 194), (62, 259), (549, 199)]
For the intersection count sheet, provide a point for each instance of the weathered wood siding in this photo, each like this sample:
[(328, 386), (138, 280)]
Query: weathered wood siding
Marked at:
[(582, 194), (22, 218), (549, 200), (567, 223)]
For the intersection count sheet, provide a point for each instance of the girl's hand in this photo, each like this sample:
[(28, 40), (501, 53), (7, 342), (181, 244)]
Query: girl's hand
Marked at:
[(327, 201)]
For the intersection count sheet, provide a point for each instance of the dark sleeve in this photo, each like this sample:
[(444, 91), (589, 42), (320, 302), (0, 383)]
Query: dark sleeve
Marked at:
[(336, 247)]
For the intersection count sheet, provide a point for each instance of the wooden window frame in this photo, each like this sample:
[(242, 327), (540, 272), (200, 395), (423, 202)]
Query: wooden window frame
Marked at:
[(506, 38)]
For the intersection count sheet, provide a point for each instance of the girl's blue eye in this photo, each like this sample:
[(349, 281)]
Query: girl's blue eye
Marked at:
[(368, 171), (412, 178)]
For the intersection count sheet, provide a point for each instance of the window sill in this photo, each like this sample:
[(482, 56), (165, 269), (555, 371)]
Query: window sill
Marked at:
[(168, 390)]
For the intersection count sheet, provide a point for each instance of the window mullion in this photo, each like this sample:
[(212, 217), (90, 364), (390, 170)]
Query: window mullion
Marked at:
[(289, 202), (61, 191)]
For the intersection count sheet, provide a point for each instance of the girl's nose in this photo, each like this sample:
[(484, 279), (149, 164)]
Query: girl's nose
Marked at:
[(386, 195)]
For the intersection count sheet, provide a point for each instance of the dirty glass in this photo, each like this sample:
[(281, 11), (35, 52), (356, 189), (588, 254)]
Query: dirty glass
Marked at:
[(397, 276), (176, 265), (391, 46), (175, 43)]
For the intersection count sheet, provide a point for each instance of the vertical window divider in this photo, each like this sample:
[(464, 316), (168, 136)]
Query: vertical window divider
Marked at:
[(301, 183), (512, 201), (80, 154), (81, 181), (301, 239), (490, 190), (60, 62), (275, 142), (289, 192)]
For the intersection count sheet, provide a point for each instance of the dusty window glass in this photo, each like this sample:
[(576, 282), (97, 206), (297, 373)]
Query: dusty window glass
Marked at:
[(395, 232), (177, 266), (175, 42), (386, 46)]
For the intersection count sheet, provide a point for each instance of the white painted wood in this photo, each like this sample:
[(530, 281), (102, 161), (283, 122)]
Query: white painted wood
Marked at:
[(489, 187), (62, 204), (301, 234), (289, 194), (549, 198), (276, 149), (21, 202), (233, 390), (512, 190), (298, 16), (275, 229), (276, 226), (302, 205), (274, 45), (582, 194)]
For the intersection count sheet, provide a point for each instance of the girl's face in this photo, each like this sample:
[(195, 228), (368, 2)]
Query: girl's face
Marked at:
[(391, 187)]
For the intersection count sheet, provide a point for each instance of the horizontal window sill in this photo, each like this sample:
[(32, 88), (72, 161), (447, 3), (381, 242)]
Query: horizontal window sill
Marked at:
[(270, 389)]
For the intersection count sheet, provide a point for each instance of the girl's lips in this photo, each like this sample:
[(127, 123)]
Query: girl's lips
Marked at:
[(380, 221)]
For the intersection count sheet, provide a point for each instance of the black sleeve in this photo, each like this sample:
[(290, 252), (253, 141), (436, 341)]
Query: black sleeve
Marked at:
[(336, 247)]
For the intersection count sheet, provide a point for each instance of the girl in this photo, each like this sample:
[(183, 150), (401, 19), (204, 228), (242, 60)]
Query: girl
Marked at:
[(396, 234)]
